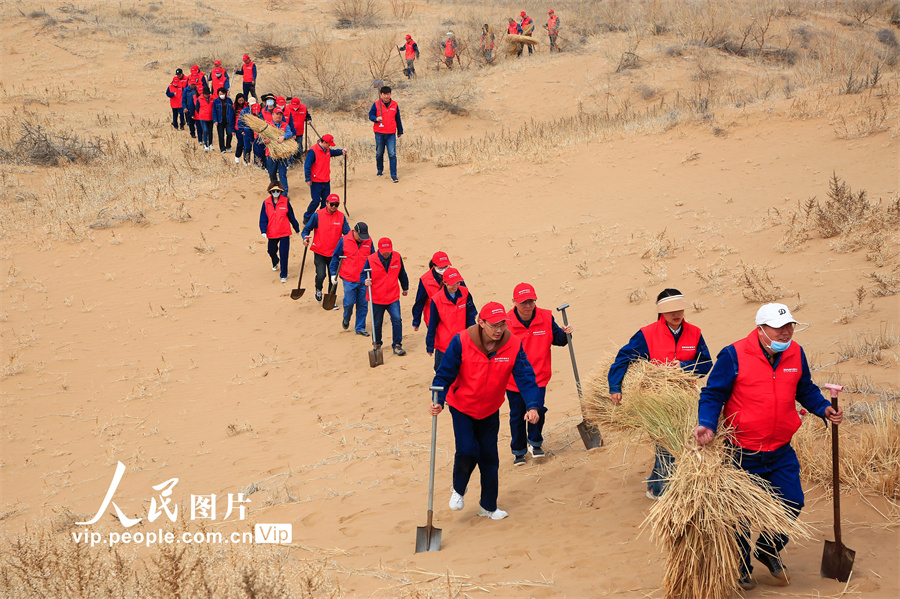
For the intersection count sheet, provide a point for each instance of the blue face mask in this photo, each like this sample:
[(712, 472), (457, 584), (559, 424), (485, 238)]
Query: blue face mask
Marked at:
[(777, 346), (270, 103)]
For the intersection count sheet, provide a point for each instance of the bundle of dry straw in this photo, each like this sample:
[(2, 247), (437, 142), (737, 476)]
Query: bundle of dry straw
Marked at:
[(707, 501), (515, 42), (270, 135)]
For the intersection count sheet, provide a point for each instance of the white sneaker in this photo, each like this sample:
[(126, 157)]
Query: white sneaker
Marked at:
[(651, 495), (457, 501), (497, 514), (283, 279), (237, 160)]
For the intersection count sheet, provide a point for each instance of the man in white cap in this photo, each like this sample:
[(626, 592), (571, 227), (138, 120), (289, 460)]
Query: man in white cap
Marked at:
[(449, 49), (756, 380)]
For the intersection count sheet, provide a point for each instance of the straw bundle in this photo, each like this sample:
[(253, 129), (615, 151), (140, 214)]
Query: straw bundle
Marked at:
[(270, 135), (514, 43)]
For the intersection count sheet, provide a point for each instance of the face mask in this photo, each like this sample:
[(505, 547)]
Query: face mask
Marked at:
[(270, 103), (221, 96), (440, 271), (275, 193), (777, 346)]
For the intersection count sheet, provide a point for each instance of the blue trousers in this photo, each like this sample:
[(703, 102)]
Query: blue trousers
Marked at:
[(521, 432), (663, 465), (319, 193), (279, 249), (259, 150), (476, 445), (782, 470), (273, 165), (355, 295), (389, 141), (244, 145), (393, 311), (248, 88), (206, 127)]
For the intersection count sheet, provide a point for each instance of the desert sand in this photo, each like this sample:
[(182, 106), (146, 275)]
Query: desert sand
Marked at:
[(173, 348)]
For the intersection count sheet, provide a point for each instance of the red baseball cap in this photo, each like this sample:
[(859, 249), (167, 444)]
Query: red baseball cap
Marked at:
[(246, 57), (333, 198), (522, 14), (408, 36), (328, 138), (385, 246), (550, 12), (452, 277), (524, 291), (279, 100), (440, 259), (493, 312), (278, 111), (295, 102), (217, 62)]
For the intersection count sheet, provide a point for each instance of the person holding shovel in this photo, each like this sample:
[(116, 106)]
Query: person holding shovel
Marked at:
[(317, 170), (388, 278), (429, 284), (355, 247), (450, 49), (278, 165), (756, 381), (330, 225), (670, 340), (410, 53), (247, 71), (552, 27), (474, 372), (451, 311), (275, 222), (388, 128), (538, 331)]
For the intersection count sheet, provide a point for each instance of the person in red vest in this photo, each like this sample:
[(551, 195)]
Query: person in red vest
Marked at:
[(385, 114), (450, 49), (527, 27), (513, 28), (278, 166), (388, 278), (756, 381), (669, 340), (330, 225), (275, 222), (487, 43), (218, 78), (429, 284), (203, 115), (317, 170), (552, 27), (476, 367), (410, 53), (197, 78), (175, 91), (247, 71), (297, 115), (355, 247), (451, 310), (538, 331)]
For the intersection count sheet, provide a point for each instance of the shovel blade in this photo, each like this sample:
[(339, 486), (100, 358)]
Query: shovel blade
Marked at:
[(376, 358), (428, 538), (328, 301), (837, 561), (297, 293), (590, 435)]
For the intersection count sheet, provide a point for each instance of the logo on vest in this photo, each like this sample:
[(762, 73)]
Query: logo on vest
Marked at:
[(539, 333), (791, 370), (688, 347), (502, 359)]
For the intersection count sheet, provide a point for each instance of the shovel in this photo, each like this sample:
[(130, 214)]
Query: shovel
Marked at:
[(403, 60), (590, 434), (376, 356), (329, 299), (428, 538), (298, 292), (837, 559), (347, 212)]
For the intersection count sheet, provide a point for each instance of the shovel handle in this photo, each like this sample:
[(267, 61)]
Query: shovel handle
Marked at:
[(434, 401), (572, 354), (836, 466)]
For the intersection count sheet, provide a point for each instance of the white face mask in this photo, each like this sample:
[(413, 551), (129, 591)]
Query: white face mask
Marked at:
[(441, 270), (275, 193), (221, 96)]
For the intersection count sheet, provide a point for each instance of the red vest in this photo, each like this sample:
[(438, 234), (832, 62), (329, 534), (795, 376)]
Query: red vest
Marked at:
[(513, 29), (487, 41), (204, 108), (296, 117), (247, 72), (661, 342), (279, 225), (282, 126), (431, 287), (217, 82), (479, 386), (176, 88), (388, 116), (355, 258), (198, 79), (452, 317), (266, 115), (536, 341), (527, 26), (321, 168), (385, 283), (410, 51), (329, 230), (553, 24), (449, 50), (237, 117), (761, 407)]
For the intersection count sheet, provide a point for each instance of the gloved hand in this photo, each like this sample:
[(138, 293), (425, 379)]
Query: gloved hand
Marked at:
[(264, 235), (334, 279)]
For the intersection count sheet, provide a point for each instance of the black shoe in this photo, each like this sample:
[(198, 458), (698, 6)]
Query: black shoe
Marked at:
[(362, 333), (398, 350), (519, 460), (773, 563), (181, 128), (318, 295), (395, 179), (536, 452), (379, 174), (746, 583), (378, 346), (345, 324)]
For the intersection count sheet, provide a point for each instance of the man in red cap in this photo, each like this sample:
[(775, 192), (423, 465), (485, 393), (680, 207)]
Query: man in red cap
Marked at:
[(317, 170), (552, 27), (476, 367), (218, 78), (527, 25), (247, 71), (330, 225), (355, 248), (429, 284), (410, 52), (451, 311), (537, 331), (388, 278), (296, 114)]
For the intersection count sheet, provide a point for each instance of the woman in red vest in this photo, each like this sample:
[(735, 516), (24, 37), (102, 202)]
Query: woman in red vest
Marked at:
[(669, 340), (388, 278), (275, 222), (487, 43), (476, 367), (218, 78), (385, 114), (429, 284), (330, 225), (451, 310)]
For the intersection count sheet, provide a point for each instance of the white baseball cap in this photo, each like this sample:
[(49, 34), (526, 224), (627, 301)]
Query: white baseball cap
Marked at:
[(774, 315)]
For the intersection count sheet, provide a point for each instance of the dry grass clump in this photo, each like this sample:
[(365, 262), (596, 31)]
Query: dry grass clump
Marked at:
[(871, 348), (453, 92), (355, 13), (757, 284), (270, 135), (35, 145)]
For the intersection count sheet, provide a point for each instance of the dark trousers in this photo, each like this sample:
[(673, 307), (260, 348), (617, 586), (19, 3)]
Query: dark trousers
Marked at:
[(259, 150), (476, 445), (205, 136), (298, 155), (319, 193), (410, 69), (279, 249), (280, 166), (438, 356), (189, 118), (389, 141), (239, 146), (224, 137), (321, 263), (782, 471), (663, 464), (524, 433), (249, 88), (553, 45), (177, 113), (393, 311)]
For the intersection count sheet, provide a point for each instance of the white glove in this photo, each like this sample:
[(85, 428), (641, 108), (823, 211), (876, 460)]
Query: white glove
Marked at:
[(334, 279), (263, 234)]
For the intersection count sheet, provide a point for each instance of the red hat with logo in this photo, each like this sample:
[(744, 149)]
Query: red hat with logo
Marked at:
[(440, 259), (278, 111), (295, 102), (246, 57), (493, 312), (524, 291), (550, 12), (333, 198), (218, 63), (452, 277), (279, 101), (522, 14), (195, 69), (385, 246), (408, 36), (328, 138)]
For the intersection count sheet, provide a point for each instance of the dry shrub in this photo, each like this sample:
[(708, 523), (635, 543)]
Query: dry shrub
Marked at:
[(886, 283), (452, 92), (36, 145), (402, 9), (660, 247), (273, 42), (870, 348), (355, 13), (757, 285)]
